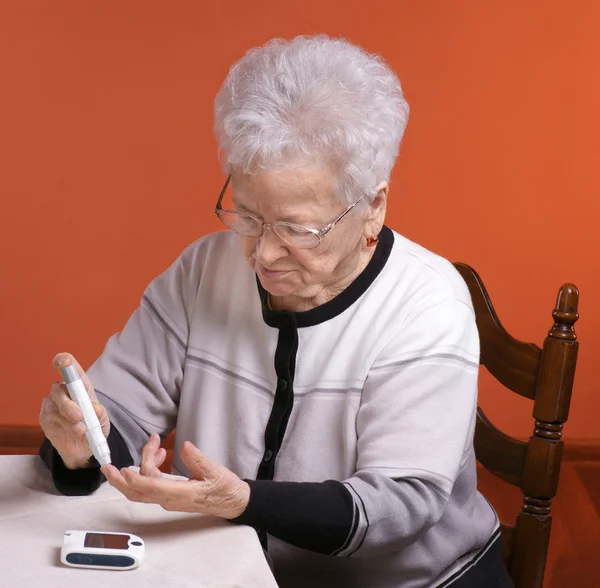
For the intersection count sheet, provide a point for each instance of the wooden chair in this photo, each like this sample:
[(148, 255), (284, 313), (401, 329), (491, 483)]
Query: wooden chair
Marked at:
[(546, 377)]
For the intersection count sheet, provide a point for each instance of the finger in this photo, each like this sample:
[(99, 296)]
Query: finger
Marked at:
[(102, 415), (116, 479), (50, 416), (59, 424), (202, 467), (65, 406), (53, 422), (48, 409), (160, 457), (51, 411), (99, 410), (44, 417), (149, 451), (64, 359), (78, 429), (162, 490)]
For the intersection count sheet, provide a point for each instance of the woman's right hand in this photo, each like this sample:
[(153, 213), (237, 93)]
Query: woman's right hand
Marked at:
[(60, 418)]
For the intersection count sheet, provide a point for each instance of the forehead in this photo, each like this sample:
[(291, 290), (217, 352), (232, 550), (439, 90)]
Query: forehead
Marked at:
[(302, 192)]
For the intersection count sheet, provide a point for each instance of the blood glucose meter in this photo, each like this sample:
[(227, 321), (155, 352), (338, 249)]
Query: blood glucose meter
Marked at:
[(102, 550)]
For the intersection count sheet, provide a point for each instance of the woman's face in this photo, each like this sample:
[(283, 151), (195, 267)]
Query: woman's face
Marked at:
[(304, 196)]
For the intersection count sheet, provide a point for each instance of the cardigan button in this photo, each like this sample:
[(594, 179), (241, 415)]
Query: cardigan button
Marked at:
[(282, 384), (268, 455)]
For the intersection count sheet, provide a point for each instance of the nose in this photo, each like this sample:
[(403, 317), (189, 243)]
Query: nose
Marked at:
[(269, 248)]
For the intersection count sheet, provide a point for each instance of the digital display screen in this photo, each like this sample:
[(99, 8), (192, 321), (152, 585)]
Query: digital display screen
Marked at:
[(106, 541)]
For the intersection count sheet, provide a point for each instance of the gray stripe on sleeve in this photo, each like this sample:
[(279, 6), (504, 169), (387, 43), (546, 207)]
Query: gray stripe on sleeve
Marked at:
[(162, 321), (413, 360), (111, 401), (366, 518)]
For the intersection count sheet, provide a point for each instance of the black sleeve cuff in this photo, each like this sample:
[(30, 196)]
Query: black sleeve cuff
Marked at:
[(84, 481), (315, 516)]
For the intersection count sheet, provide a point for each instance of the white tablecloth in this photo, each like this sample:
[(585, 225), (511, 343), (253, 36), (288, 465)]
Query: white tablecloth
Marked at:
[(182, 550)]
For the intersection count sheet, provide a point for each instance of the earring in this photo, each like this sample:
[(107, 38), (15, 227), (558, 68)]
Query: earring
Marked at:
[(372, 241)]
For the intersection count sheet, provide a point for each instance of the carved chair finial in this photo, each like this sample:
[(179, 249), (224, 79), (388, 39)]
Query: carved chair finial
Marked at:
[(565, 314)]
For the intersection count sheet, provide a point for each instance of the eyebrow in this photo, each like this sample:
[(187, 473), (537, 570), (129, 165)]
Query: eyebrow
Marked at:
[(291, 220)]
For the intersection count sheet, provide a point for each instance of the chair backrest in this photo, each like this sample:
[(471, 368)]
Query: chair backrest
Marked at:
[(545, 376)]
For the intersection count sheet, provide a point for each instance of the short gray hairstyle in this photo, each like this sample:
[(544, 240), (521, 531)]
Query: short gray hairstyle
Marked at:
[(312, 98)]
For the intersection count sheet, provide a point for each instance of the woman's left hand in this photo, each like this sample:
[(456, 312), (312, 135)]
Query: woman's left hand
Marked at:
[(212, 489)]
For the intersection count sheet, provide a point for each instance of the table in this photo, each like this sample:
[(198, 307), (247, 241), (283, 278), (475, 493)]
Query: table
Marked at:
[(182, 550)]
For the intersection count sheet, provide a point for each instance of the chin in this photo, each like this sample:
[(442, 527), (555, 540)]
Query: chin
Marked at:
[(275, 288)]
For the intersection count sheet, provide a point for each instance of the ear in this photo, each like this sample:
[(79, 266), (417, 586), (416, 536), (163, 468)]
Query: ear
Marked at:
[(376, 213)]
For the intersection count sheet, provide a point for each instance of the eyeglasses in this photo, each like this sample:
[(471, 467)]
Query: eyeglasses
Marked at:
[(297, 236)]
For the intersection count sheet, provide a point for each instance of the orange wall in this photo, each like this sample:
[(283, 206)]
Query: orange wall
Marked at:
[(105, 124)]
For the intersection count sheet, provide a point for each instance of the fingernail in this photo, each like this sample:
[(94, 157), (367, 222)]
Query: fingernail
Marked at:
[(59, 361)]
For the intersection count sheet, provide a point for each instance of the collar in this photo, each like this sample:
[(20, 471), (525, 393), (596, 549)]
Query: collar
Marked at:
[(337, 305)]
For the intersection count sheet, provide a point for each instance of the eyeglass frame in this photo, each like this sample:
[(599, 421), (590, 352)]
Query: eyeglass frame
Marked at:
[(319, 233)]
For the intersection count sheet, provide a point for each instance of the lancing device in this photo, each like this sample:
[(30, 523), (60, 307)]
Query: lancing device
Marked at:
[(94, 433)]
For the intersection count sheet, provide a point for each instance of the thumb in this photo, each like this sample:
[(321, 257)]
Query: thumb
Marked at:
[(200, 466)]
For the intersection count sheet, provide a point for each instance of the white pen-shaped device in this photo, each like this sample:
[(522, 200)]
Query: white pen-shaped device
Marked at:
[(94, 433)]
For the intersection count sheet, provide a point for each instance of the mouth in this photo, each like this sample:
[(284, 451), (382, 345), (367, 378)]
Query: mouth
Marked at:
[(270, 274)]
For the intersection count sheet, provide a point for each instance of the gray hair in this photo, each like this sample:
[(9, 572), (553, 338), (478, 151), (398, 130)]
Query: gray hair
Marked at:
[(312, 99)]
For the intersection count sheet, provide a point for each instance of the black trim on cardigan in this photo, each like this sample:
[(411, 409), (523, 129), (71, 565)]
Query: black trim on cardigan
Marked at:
[(285, 367)]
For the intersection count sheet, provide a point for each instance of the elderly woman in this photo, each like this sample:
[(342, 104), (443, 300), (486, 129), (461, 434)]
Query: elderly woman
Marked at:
[(320, 369)]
